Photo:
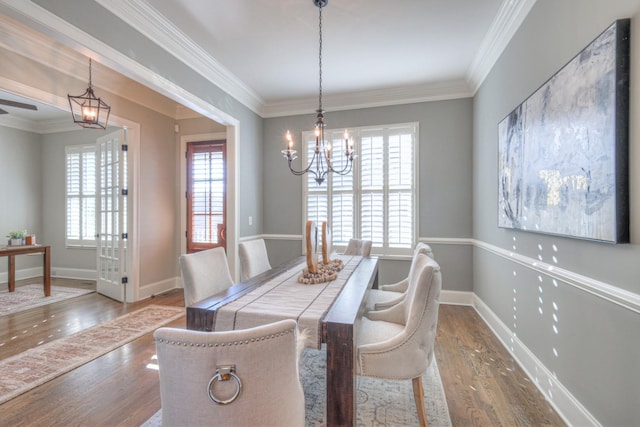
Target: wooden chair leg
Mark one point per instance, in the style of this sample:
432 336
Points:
418 396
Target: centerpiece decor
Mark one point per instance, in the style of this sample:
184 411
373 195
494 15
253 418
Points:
328 269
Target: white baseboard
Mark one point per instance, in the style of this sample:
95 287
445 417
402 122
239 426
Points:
73 273
456 297
160 287
567 406
25 273
66 273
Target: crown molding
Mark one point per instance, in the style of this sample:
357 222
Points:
142 16
148 21
372 98
507 21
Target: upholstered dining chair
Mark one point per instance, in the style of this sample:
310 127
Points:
358 247
247 377
397 343
204 274
387 295
253 258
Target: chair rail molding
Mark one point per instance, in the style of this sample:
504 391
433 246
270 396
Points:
614 294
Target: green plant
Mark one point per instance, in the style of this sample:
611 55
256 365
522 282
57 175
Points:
17 234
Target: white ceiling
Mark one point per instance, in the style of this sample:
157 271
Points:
272 46
44 112
374 52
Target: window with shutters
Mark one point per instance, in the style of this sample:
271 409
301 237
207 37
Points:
377 201
206 224
80 229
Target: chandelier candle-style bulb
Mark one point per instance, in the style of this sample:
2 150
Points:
346 142
288 153
89 114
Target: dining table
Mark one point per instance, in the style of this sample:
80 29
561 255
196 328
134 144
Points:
329 309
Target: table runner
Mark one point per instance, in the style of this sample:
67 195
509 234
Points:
283 297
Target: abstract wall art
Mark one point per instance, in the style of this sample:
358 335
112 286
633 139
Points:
563 152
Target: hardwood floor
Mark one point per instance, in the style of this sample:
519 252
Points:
483 384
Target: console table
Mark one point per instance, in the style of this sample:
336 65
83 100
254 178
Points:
12 251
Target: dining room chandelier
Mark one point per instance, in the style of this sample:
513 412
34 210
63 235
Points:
88 110
320 164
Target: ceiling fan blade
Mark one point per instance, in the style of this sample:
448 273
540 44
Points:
17 104
3 111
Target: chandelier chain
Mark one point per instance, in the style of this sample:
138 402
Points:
321 163
89 72
320 60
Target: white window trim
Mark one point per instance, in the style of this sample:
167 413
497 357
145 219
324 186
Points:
77 243
385 251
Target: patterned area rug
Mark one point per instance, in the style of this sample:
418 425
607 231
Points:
24 371
380 403
30 296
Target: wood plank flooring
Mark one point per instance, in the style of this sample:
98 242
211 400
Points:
483 384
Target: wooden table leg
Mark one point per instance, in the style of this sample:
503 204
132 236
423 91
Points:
341 378
12 273
47 271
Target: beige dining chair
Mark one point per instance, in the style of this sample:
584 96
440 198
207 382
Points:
253 258
358 247
247 377
204 274
387 295
397 343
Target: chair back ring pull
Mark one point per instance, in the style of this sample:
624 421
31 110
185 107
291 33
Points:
224 373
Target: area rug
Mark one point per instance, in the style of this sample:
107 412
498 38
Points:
24 371
379 402
30 296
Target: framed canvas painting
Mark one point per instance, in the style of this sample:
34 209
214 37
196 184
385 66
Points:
563 152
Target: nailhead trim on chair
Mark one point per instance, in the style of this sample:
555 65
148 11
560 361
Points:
223 344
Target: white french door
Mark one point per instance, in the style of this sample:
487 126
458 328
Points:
111 218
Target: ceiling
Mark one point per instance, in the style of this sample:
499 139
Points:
44 112
374 52
272 46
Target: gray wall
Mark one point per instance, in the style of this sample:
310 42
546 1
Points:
595 351
20 190
445 133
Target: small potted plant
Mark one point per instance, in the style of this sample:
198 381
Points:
16 238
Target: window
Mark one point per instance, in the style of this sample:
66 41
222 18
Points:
206 201
377 200
81 195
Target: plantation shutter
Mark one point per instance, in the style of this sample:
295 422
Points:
372 184
80 224
377 200
401 164
317 207
342 201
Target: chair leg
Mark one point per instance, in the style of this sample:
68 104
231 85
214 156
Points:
418 396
